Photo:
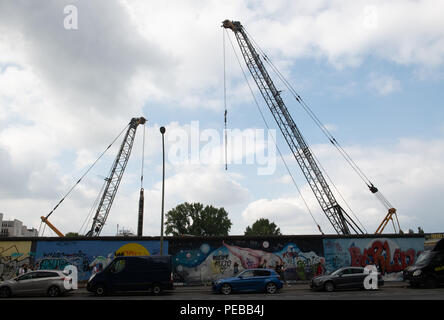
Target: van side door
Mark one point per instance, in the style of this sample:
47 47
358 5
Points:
115 275
138 274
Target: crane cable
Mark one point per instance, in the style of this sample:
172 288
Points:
317 121
324 129
78 181
91 211
273 138
225 103
88 218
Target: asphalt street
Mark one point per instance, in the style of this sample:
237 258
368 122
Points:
300 291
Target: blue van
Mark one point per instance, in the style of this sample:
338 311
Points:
138 273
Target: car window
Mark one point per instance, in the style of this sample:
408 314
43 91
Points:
118 266
357 270
45 274
346 271
262 273
26 276
424 258
247 274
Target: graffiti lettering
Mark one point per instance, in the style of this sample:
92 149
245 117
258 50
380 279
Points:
222 262
379 254
53 264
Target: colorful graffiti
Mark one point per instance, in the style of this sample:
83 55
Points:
202 260
210 262
88 256
391 256
13 255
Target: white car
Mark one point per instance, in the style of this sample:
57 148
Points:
41 282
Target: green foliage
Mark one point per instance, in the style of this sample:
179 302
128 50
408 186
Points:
197 220
72 235
262 227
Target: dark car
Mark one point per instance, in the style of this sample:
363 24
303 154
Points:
41 282
343 278
266 280
428 270
140 273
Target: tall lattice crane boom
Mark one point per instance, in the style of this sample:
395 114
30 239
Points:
114 178
340 220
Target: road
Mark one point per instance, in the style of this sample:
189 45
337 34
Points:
390 291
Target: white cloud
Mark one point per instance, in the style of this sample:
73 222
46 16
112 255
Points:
65 94
383 84
408 175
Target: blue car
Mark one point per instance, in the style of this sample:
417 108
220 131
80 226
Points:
266 280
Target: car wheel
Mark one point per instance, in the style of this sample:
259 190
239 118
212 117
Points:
225 289
54 291
271 287
5 292
100 290
156 289
329 286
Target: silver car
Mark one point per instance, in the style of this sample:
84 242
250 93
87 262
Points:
46 282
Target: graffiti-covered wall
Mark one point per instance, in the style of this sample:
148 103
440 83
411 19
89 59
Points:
198 260
390 255
13 255
87 254
204 259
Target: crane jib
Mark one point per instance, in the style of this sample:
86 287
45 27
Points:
340 220
115 176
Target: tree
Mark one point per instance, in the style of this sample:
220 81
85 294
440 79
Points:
197 220
262 227
72 235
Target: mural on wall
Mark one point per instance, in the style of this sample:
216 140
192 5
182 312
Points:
207 262
13 255
200 260
390 255
89 256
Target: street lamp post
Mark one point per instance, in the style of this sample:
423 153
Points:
162 131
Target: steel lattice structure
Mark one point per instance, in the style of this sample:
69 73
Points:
340 220
114 178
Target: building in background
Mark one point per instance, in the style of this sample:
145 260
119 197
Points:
15 228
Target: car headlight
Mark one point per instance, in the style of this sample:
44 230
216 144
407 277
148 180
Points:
417 273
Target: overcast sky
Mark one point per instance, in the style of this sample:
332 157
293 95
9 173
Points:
70 81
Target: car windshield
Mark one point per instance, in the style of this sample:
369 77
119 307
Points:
424 258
